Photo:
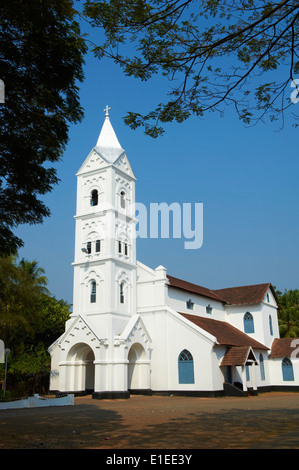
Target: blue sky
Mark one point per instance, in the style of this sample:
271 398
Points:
246 178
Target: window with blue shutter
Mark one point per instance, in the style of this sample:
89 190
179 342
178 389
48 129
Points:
270 325
287 370
209 309
247 373
262 367
186 368
248 323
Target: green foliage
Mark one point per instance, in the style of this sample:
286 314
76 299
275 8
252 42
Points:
213 53
30 320
53 315
288 315
33 360
41 63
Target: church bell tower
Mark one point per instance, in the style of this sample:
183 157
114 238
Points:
104 336
105 242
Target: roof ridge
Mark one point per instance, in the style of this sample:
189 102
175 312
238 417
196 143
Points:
248 294
239 295
246 285
191 284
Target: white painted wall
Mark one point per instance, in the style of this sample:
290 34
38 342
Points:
276 377
171 334
37 402
260 313
177 299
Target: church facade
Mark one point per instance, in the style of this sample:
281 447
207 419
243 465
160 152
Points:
139 330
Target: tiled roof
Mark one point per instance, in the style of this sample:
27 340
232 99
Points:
284 347
244 294
188 286
237 356
225 333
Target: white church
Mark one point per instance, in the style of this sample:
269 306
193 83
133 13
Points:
139 330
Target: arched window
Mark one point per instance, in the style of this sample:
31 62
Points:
122 200
248 323
93 291
262 367
287 370
122 293
270 325
94 198
186 368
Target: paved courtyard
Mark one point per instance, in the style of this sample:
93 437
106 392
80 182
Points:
269 421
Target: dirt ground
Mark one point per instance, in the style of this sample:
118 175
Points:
269 421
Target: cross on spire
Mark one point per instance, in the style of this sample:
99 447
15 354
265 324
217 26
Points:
106 110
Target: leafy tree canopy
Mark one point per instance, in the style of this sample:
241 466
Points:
31 319
213 52
22 287
28 312
288 314
41 63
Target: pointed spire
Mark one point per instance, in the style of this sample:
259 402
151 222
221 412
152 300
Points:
108 145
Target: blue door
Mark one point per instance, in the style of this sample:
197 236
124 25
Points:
229 376
186 369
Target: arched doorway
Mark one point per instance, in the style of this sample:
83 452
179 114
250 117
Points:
80 369
138 368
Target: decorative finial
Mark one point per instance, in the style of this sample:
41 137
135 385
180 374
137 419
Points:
106 110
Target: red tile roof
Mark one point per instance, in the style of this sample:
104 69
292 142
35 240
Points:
237 356
225 333
254 294
243 295
194 288
285 347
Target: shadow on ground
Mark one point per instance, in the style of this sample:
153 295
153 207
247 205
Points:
155 423
56 427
